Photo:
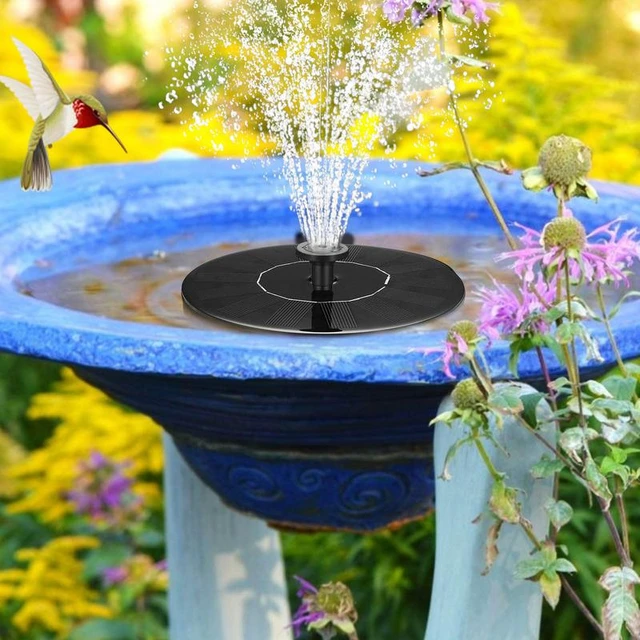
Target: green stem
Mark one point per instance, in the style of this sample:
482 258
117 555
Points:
607 324
473 164
572 358
487 460
624 522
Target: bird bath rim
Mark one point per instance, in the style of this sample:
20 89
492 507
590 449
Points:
162 194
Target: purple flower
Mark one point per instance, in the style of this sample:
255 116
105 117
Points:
103 492
505 312
114 575
396 10
600 256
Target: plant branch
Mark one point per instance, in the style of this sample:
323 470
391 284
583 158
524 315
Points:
607 324
581 605
615 534
624 522
473 164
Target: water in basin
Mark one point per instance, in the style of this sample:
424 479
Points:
146 288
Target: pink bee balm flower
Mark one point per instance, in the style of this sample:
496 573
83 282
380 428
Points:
505 312
600 256
396 10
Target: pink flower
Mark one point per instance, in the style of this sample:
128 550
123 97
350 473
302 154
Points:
396 10
505 312
600 256
114 575
104 493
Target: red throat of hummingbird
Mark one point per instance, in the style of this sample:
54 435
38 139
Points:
87 117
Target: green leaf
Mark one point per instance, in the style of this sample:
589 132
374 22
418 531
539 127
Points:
597 482
451 454
621 608
567 331
546 467
560 512
503 502
468 60
150 538
560 383
530 402
620 388
551 586
533 179
530 568
447 417
609 466
104 630
562 565
575 440
506 399
108 555
596 388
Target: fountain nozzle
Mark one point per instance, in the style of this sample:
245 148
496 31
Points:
322 263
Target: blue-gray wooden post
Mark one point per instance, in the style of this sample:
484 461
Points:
466 604
227 578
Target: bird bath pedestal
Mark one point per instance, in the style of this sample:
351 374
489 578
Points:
305 432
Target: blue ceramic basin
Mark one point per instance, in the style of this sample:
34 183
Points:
308 432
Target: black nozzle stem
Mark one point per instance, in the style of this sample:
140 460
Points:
322 265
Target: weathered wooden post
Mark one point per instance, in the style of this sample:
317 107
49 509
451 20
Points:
466 604
227 579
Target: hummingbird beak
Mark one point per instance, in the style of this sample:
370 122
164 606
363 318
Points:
113 133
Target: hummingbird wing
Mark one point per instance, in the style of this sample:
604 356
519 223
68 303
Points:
36 172
25 95
47 91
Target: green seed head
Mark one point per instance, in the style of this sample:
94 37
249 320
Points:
335 599
564 233
564 160
466 329
467 394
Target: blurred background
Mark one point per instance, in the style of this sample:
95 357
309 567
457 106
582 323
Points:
81 533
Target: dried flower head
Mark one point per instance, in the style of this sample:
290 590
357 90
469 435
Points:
327 610
564 160
566 233
563 165
467 394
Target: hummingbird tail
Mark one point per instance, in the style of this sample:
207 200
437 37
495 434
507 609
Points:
36 173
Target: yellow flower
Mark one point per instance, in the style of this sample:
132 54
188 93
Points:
89 421
50 589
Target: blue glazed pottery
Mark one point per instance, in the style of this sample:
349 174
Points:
307 432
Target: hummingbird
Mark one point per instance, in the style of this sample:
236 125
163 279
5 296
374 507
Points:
55 115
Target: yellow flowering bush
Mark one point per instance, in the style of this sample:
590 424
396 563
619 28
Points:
89 421
50 591
540 94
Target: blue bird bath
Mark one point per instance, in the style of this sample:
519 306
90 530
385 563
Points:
307 432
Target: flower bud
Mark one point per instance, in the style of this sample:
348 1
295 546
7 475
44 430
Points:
564 160
467 394
564 233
